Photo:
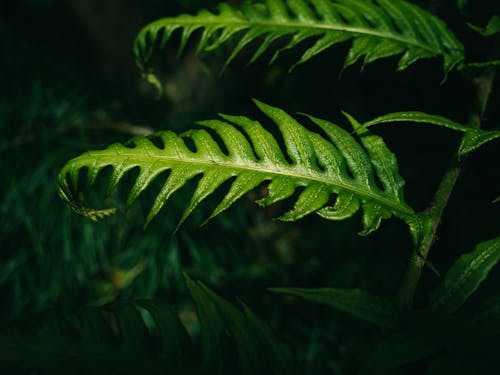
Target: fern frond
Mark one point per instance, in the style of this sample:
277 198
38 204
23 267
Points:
465 276
322 166
472 140
146 338
379 29
356 302
492 28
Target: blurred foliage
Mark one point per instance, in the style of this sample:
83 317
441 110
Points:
56 101
148 338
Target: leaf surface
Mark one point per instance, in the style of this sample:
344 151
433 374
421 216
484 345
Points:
251 342
355 302
465 276
476 138
312 168
378 29
147 338
407 346
492 28
472 140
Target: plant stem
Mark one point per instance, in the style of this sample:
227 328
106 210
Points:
441 196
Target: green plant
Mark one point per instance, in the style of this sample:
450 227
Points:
147 338
316 167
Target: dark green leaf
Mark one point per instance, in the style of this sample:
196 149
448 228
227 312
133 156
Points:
484 64
238 336
145 338
356 302
461 4
413 343
491 28
476 138
465 276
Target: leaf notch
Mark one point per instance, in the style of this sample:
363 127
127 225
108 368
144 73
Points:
378 29
334 164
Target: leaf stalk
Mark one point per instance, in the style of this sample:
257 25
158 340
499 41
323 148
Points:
441 197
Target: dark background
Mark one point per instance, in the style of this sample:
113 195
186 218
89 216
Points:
68 83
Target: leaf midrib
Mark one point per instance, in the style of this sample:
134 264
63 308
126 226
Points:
292 171
230 22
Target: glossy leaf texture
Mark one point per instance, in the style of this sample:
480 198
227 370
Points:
472 140
418 117
377 29
146 338
356 302
465 276
312 168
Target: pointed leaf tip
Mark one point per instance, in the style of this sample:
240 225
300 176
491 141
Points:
355 302
465 276
316 163
398 30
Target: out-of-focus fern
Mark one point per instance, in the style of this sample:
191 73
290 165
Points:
336 164
492 28
48 255
422 334
379 29
147 338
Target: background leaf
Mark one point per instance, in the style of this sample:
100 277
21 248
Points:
356 302
465 276
406 346
112 338
461 4
146 337
490 29
234 338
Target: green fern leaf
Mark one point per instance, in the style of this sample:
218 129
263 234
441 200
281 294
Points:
355 302
226 329
465 276
418 117
483 64
322 167
492 28
415 341
461 4
378 29
109 339
472 140
146 338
